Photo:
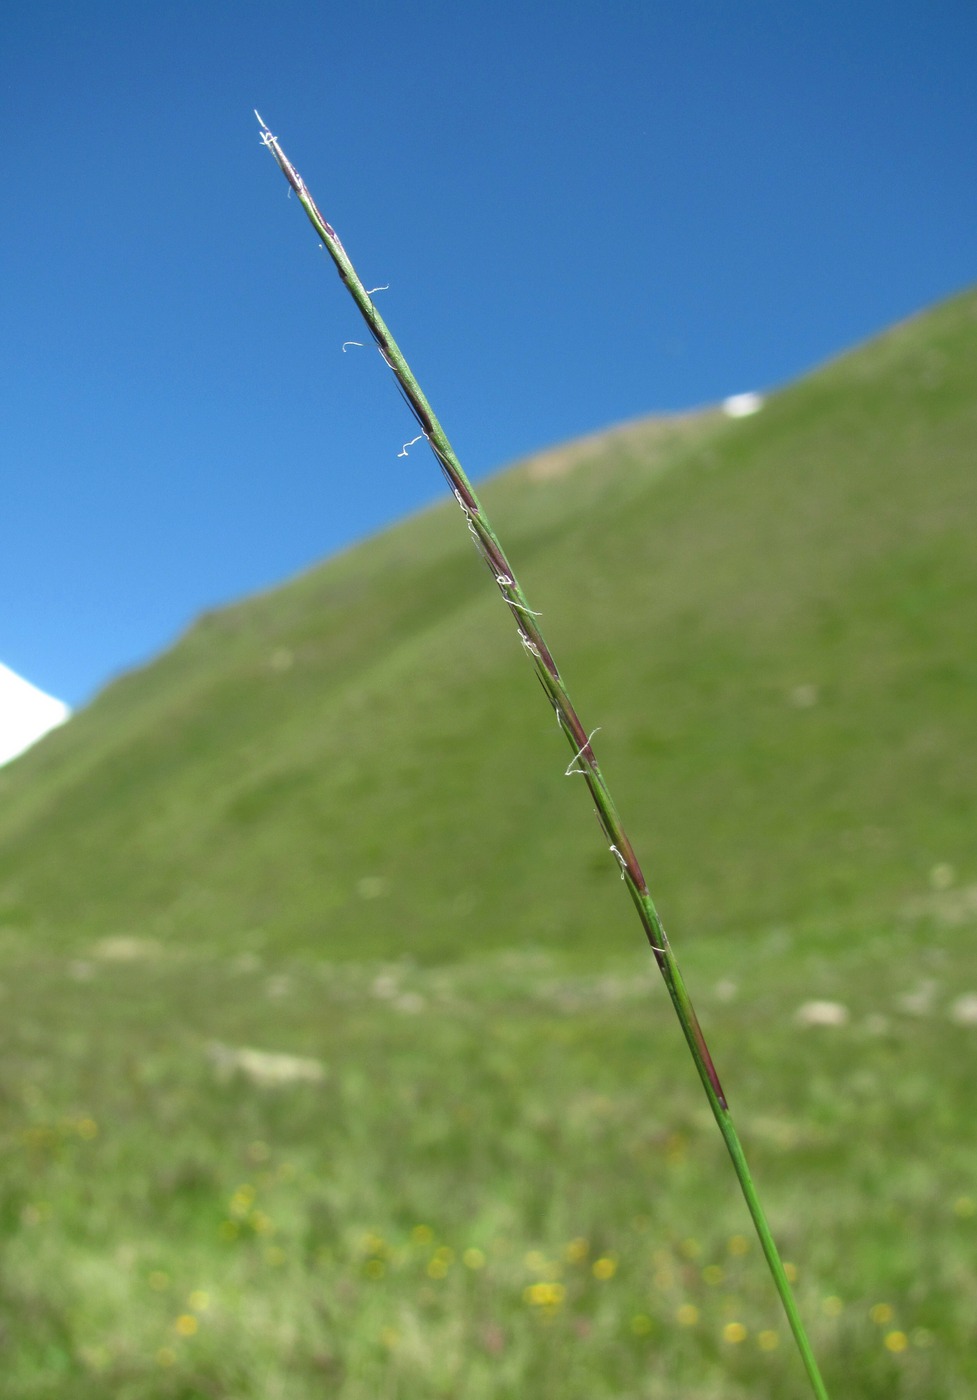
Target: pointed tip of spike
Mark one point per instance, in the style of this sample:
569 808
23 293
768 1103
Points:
266 137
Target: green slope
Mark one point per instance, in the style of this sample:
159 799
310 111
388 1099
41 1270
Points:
771 620
486 1177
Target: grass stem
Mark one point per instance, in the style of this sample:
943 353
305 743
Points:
584 759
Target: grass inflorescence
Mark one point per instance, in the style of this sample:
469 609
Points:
584 761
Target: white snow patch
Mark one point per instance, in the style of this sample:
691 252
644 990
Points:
26 714
742 405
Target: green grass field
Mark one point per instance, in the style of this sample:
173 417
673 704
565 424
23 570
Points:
333 1063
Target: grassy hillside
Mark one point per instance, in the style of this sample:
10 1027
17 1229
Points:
768 618
331 1060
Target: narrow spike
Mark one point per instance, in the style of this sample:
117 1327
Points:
577 735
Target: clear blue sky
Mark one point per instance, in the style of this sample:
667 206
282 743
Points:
585 212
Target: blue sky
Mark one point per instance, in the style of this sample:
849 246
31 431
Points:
584 211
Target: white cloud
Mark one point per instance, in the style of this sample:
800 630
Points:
26 714
742 405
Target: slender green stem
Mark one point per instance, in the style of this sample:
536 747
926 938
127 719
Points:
584 760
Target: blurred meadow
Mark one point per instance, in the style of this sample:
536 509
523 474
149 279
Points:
489 1178
332 1063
